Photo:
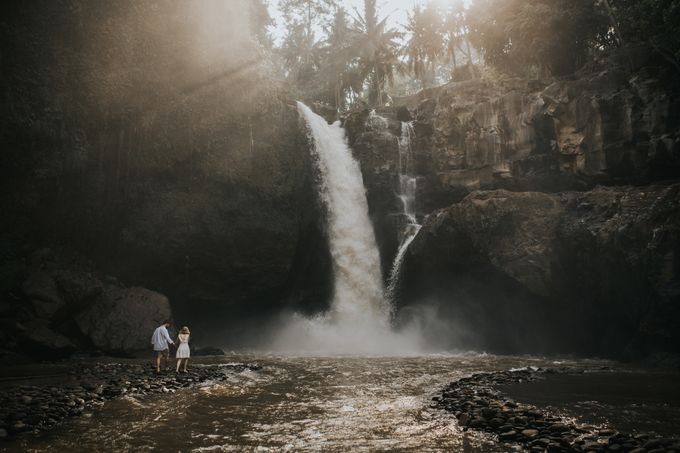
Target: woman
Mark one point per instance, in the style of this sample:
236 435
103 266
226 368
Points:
183 349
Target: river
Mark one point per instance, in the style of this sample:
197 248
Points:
294 404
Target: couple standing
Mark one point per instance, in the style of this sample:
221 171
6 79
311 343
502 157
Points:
161 342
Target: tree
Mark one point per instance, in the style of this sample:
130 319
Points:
552 35
457 34
376 49
308 14
260 21
301 52
425 44
337 67
655 22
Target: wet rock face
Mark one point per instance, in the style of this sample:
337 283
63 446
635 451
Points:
594 272
373 139
526 263
598 128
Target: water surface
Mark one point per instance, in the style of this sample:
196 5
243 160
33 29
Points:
293 404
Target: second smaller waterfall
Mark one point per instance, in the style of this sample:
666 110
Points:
407 195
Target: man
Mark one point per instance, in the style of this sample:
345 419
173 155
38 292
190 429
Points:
161 342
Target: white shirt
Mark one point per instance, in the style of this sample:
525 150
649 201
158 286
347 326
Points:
161 339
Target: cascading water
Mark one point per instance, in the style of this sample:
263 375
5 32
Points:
407 195
359 318
356 261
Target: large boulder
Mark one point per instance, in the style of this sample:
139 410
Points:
595 272
121 321
79 288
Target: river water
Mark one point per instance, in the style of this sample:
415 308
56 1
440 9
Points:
294 404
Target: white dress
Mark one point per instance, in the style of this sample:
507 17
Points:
183 349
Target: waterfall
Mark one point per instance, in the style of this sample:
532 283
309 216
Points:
407 195
359 318
358 278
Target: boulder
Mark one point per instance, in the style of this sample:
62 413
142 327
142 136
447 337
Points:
42 292
121 321
39 340
79 288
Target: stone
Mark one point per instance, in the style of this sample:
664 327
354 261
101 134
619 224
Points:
403 114
206 351
40 340
121 321
507 435
464 419
530 432
477 423
79 288
42 292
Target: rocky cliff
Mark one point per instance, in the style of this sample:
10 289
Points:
608 124
189 175
523 245
594 272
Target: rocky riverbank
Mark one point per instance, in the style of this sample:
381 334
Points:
35 408
479 405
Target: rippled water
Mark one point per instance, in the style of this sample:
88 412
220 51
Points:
294 404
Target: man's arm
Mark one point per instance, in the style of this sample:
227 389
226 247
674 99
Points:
167 336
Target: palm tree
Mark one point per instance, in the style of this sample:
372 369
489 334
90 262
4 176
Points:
300 50
425 44
457 33
376 51
300 54
338 57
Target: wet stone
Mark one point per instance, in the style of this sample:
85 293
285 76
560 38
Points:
478 405
32 408
508 434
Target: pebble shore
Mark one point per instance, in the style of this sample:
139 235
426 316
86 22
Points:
479 405
29 408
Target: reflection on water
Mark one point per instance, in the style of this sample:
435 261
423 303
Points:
631 401
293 403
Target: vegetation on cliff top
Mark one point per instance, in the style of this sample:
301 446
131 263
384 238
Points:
340 57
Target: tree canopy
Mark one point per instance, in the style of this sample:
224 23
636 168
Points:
339 56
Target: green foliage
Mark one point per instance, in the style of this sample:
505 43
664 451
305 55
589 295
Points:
656 22
308 13
554 35
300 54
260 21
356 52
425 45
376 49
337 74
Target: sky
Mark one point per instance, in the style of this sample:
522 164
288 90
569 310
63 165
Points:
395 8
